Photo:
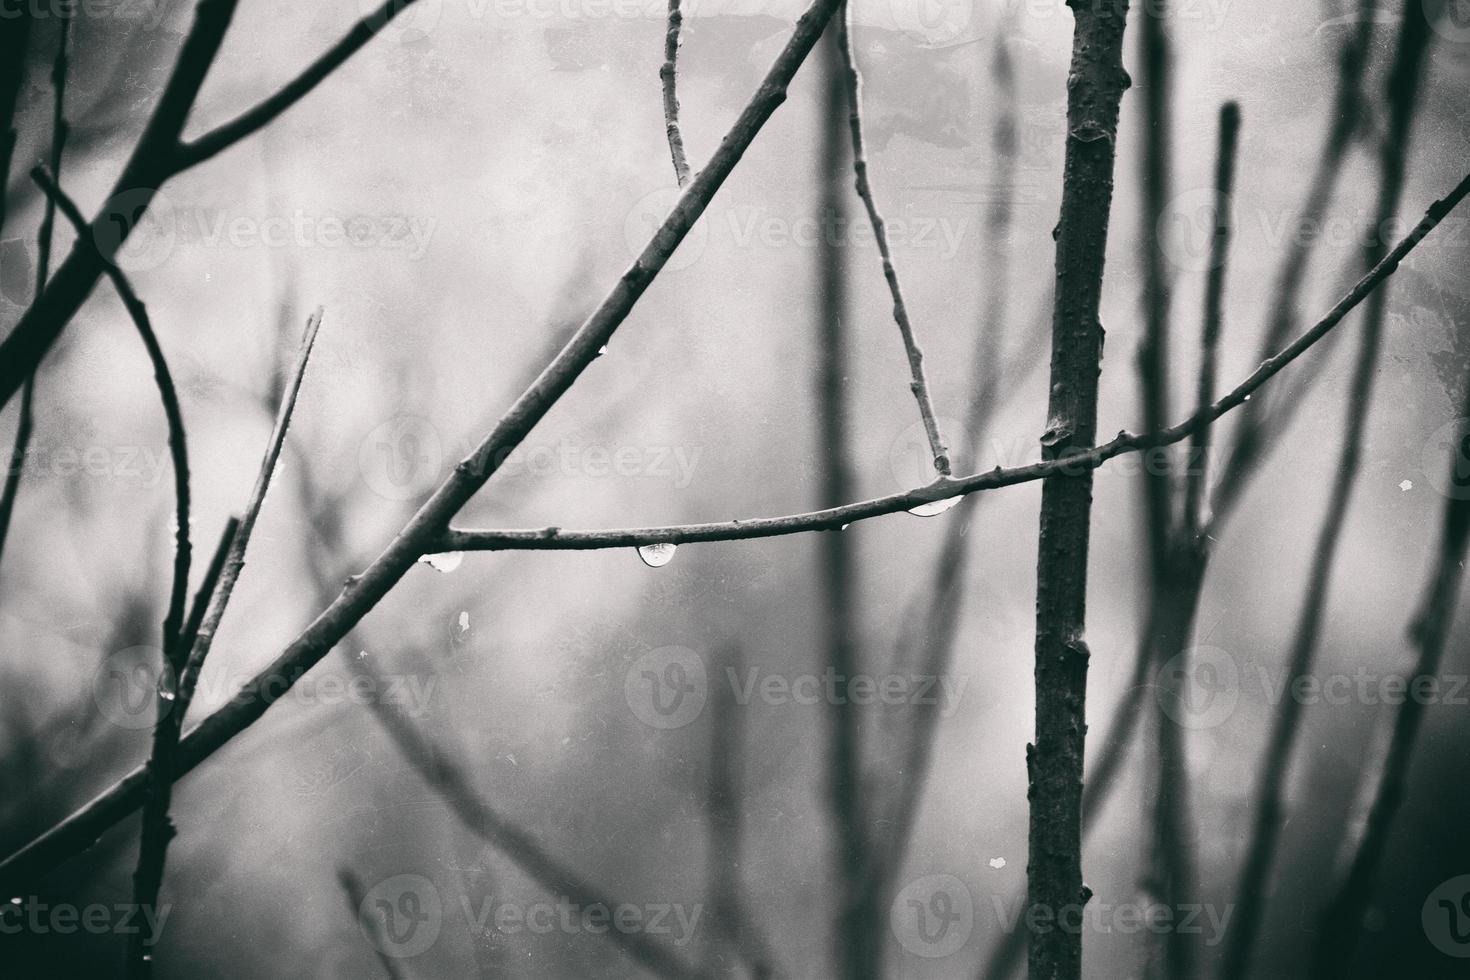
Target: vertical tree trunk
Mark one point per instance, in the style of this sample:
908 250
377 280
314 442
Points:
1054 762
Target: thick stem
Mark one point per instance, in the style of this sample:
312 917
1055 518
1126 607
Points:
1054 761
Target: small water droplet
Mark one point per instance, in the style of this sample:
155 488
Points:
602 350
935 507
464 621
844 527
1247 397
657 555
445 562
997 863
362 655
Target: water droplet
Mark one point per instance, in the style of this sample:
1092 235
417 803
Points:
1406 486
464 621
997 863
935 507
844 527
362 655
657 555
1247 398
445 562
602 350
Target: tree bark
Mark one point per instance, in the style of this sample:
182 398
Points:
1054 762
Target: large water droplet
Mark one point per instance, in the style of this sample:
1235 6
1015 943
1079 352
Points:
657 555
446 561
935 507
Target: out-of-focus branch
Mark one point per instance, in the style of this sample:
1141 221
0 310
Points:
1262 422
446 777
356 895
1095 85
853 949
161 154
418 537
918 384
25 421
1428 632
668 75
1404 79
1197 470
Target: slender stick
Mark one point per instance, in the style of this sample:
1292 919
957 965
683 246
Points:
426 528
159 156
667 74
157 830
1415 38
220 601
25 422
918 384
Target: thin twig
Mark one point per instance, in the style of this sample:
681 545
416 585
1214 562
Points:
918 384
236 560
424 530
668 75
159 156
1404 80
157 830
833 518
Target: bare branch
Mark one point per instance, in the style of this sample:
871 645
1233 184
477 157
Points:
667 74
425 529
919 385
1414 41
194 152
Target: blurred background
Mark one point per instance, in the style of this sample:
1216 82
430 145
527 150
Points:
458 196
